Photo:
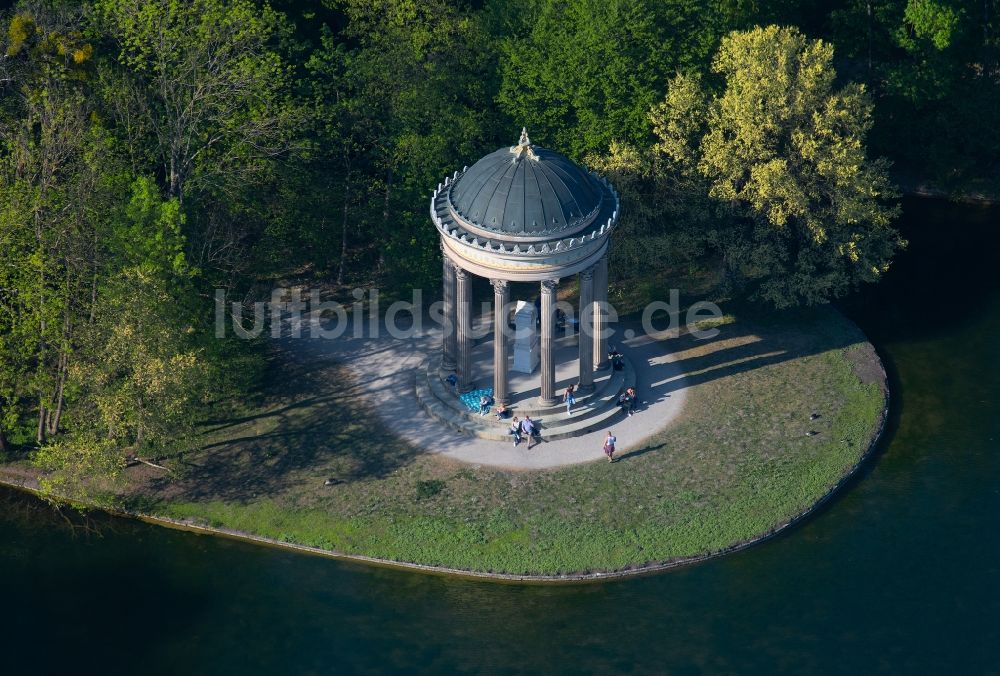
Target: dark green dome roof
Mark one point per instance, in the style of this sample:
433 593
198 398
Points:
526 191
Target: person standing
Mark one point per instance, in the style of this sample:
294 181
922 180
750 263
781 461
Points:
570 398
609 446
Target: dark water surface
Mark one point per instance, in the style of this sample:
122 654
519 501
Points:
900 574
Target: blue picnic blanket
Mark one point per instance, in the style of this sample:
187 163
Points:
471 399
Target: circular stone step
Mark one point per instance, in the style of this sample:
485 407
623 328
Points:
608 382
592 412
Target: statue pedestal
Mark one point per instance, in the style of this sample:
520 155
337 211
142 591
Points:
526 351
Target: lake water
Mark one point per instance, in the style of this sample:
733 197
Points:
899 574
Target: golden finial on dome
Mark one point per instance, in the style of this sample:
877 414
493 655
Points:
523 147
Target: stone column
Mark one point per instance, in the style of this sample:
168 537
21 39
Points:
501 297
548 375
587 331
601 314
463 286
449 348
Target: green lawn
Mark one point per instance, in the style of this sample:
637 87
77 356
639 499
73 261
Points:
737 463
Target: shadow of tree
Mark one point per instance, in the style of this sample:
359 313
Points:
756 339
315 424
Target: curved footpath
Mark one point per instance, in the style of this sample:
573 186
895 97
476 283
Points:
386 368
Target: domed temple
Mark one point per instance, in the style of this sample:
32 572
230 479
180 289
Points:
524 214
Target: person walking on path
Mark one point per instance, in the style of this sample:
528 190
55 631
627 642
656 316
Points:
515 430
609 446
570 399
528 429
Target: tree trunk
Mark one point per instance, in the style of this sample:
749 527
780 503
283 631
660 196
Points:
385 216
62 369
93 301
986 25
4 446
56 416
174 181
870 20
343 229
43 329
42 415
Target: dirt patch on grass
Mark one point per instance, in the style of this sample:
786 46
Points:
866 364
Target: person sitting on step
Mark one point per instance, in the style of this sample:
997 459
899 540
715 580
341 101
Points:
616 358
515 430
529 430
625 402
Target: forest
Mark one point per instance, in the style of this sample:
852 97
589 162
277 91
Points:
153 151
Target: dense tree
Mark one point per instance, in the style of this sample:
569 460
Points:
202 94
667 215
93 277
49 150
397 112
207 85
142 367
783 147
932 65
586 73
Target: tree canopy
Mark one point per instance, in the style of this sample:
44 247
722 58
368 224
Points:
768 170
585 73
785 148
